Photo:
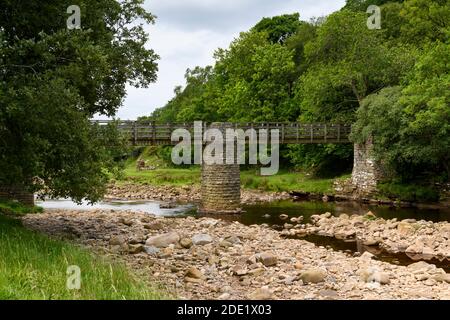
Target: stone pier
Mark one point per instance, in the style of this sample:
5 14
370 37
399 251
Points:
221 184
367 173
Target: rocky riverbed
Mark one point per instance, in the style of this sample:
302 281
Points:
191 194
214 259
423 238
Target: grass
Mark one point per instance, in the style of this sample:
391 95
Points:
250 179
286 181
17 208
33 266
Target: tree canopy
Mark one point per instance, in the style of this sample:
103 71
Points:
53 80
392 82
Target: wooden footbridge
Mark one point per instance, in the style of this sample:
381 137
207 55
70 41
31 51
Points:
152 133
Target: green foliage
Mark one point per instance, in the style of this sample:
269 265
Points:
279 28
17 208
362 5
411 125
53 80
348 62
32 266
409 192
284 69
425 21
327 160
286 181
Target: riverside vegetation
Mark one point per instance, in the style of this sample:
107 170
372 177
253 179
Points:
33 266
392 84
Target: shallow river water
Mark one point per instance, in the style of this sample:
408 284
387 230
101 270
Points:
269 213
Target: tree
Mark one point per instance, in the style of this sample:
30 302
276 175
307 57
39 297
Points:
53 80
347 62
411 125
279 28
425 21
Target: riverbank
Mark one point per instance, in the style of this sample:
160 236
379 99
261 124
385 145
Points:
420 239
32 266
187 194
191 193
215 259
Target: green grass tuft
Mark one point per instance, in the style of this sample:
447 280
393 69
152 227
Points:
17 208
33 266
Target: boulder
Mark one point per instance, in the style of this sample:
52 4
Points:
313 275
201 239
117 240
136 248
267 258
445 277
163 240
405 228
373 274
151 250
186 243
261 294
194 273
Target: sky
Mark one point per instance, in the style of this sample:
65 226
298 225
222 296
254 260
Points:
187 32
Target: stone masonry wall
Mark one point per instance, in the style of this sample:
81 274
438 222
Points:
366 172
16 193
221 185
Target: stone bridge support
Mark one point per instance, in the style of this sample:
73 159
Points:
221 188
221 184
16 194
367 173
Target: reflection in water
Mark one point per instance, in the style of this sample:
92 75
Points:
353 247
254 214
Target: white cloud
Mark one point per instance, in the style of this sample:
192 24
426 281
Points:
187 32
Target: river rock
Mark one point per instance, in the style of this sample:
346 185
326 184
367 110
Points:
313 275
151 250
163 240
201 239
194 273
283 216
117 240
405 228
261 294
420 266
372 274
442 277
224 296
186 243
126 221
267 258
135 248
233 239
153 226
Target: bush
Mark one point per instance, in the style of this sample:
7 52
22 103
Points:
410 192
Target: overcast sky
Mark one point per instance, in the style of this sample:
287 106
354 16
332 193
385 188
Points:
187 32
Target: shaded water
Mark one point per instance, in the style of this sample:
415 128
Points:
268 213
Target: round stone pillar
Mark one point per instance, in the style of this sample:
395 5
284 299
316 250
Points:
221 183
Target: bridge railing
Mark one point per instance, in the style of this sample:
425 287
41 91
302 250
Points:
152 133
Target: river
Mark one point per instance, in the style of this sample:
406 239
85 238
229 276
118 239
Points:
269 213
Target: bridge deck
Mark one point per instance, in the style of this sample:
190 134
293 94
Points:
151 133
